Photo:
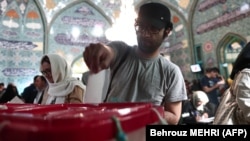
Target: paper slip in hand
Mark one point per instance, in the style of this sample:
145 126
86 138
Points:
94 89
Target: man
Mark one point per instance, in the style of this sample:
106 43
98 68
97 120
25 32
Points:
140 73
211 84
41 85
30 92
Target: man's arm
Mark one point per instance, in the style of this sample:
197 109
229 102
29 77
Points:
172 112
98 57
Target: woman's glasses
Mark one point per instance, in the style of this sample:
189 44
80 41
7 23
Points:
46 72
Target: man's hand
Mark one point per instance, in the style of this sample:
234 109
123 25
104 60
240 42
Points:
98 57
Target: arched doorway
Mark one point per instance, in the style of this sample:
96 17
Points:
227 51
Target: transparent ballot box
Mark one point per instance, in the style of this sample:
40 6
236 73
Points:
77 122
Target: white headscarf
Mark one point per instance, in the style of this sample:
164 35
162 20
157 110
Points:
199 96
64 83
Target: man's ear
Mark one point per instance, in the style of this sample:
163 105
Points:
166 32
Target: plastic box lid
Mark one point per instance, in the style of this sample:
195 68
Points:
74 122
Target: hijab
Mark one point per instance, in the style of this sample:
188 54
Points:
242 61
64 83
199 96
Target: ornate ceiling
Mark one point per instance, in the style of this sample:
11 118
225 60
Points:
112 8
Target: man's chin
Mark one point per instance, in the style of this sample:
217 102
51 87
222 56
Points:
145 50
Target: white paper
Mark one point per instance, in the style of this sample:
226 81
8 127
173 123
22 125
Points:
16 100
95 87
207 120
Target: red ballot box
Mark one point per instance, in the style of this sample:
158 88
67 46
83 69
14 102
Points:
77 122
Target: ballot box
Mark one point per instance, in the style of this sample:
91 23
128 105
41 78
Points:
77 122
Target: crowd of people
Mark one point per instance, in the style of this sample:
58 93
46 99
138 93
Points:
137 74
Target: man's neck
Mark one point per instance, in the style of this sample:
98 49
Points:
147 55
208 75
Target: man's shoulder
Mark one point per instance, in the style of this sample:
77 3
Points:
29 88
117 44
204 78
167 64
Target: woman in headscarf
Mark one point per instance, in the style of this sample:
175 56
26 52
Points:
201 103
197 108
63 88
234 108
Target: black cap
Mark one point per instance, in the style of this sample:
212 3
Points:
155 13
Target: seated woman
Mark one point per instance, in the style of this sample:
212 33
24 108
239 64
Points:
62 87
197 108
10 92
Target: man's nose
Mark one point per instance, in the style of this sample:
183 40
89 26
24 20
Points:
145 32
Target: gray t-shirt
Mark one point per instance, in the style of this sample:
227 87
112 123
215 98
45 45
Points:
154 80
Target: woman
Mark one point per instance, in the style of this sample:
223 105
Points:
10 92
241 85
63 88
234 107
197 108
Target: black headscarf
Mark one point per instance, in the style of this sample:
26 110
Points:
242 61
10 93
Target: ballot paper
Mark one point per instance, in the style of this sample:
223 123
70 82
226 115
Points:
206 120
96 87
